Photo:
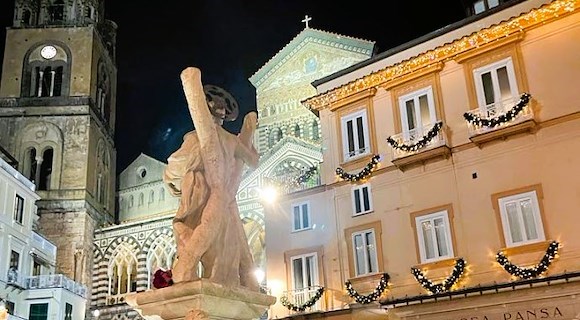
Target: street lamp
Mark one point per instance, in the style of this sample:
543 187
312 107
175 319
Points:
96 314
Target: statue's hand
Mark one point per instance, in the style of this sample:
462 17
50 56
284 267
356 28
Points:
248 128
190 73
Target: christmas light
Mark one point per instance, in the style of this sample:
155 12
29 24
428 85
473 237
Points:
362 299
284 301
446 284
363 174
432 133
532 272
501 119
522 23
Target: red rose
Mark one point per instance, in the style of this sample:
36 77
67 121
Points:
162 279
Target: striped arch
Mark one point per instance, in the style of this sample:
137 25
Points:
256 216
255 233
129 240
160 252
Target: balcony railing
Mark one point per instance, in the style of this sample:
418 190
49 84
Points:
299 297
46 282
496 116
42 244
417 140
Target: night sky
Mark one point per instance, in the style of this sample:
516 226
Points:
229 40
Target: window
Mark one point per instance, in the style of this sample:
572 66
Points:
68 309
38 311
480 6
56 11
161 254
355 139
434 236
365 252
14 260
496 87
297 131
36 268
361 199
315 133
10 307
45 169
418 115
521 219
18 208
141 199
48 81
301 216
304 271
122 271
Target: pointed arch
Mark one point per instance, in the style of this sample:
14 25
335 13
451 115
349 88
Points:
122 270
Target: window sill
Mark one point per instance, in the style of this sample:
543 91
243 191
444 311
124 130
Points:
374 278
443 263
356 162
539 246
362 213
300 230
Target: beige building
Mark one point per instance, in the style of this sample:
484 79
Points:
449 173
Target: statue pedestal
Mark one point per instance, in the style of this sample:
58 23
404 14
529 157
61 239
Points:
200 300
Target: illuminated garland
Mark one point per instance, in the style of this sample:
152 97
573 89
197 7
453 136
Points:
284 301
501 119
370 297
447 284
432 133
306 175
527 273
365 172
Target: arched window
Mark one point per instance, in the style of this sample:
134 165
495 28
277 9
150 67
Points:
315 133
103 92
122 271
161 194
30 164
160 255
131 201
151 196
297 131
26 16
46 72
275 136
45 169
141 199
102 174
56 11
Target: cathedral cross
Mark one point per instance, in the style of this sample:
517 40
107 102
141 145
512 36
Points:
306 19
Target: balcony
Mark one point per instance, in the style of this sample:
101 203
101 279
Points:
41 244
52 281
500 120
307 295
419 145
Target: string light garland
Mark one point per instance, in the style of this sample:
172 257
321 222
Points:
432 133
373 296
446 284
284 301
501 119
363 174
532 272
306 175
554 10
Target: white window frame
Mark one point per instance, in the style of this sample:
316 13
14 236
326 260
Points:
300 207
533 197
444 214
371 248
357 151
408 135
493 67
359 189
19 208
314 271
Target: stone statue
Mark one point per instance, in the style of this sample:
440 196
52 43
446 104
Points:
206 172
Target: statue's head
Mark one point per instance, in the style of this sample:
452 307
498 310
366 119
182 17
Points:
221 103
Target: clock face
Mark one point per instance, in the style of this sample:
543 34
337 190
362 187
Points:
48 52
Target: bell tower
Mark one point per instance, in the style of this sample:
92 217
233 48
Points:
57 117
